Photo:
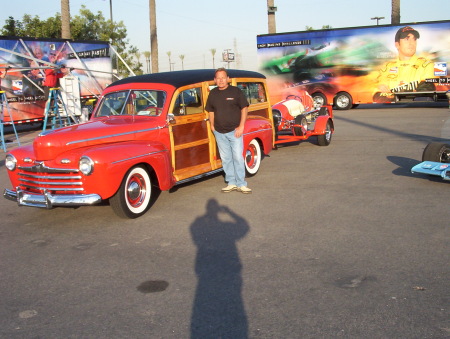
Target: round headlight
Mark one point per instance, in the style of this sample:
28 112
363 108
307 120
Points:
86 165
10 162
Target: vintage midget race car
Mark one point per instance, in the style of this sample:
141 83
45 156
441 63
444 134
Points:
435 160
298 117
146 133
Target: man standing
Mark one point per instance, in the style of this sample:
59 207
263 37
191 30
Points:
52 75
228 108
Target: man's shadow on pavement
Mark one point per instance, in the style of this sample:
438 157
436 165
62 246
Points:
218 310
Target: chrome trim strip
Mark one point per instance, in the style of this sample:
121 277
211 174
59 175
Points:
47 200
258 131
41 168
137 156
51 177
115 135
53 188
76 183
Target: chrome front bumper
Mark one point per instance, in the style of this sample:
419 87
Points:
46 200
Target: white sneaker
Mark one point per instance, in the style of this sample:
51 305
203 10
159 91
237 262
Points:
244 189
229 188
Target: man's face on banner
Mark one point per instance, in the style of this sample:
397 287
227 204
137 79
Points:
406 47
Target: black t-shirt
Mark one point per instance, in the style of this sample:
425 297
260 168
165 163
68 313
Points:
226 105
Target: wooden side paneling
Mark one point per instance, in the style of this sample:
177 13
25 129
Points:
187 133
192 156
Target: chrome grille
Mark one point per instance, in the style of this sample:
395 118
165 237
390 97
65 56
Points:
39 178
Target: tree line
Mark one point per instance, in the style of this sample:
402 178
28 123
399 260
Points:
83 26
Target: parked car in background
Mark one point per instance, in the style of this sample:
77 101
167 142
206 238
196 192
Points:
298 117
148 133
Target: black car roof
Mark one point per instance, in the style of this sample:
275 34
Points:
187 77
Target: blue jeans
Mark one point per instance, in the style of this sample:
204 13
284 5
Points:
231 152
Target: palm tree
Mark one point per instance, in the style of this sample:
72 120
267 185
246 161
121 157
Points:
153 36
65 19
272 27
182 61
213 52
395 14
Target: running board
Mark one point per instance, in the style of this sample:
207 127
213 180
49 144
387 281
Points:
198 176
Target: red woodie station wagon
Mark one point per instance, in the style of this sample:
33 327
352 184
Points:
147 132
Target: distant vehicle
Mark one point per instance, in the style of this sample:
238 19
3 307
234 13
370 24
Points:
148 133
298 117
435 161
345 67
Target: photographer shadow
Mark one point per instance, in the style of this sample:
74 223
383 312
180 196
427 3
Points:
218 309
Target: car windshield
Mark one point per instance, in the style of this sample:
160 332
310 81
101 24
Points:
134 102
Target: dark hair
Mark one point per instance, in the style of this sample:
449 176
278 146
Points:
220 69
404 31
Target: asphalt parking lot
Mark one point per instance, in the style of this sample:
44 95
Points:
337 241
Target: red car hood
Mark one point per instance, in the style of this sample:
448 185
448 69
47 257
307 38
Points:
49 144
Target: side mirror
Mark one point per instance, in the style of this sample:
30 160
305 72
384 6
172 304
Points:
171 118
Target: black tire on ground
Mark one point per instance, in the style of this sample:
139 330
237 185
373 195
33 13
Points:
253 157
325 139
437 151
300 120
134 195
343 101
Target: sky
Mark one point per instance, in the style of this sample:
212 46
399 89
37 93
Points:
192 28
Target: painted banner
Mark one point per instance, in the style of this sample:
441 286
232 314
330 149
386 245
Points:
370 64
23 62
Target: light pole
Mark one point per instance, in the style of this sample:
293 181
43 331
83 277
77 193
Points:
377 18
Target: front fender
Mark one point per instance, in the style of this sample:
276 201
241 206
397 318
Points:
321 124
261 129
111 163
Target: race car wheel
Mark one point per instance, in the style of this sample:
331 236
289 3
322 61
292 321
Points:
133 197
303 125
343 101
253 157
319 99
325 139
437 151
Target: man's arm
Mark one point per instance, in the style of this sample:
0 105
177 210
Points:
211 120
240 129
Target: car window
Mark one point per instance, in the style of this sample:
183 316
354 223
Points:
138 102
189 102
254 91
148 102
112 104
